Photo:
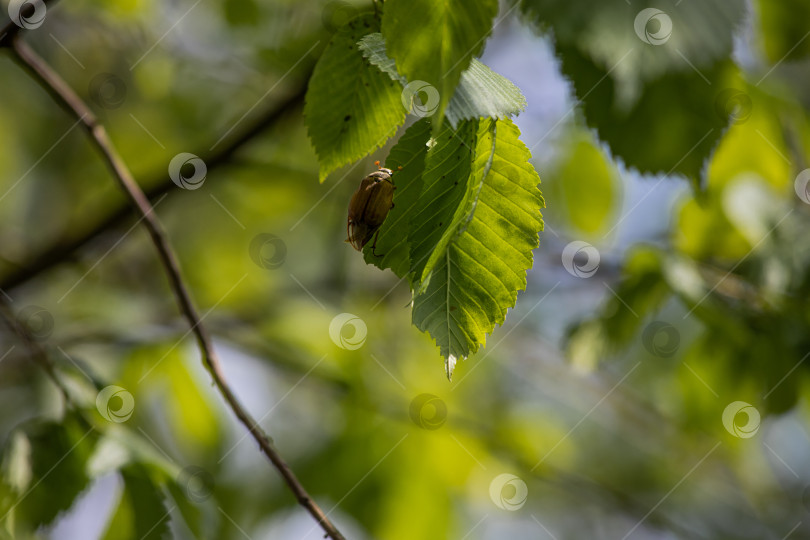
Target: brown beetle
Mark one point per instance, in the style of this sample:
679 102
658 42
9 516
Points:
369 207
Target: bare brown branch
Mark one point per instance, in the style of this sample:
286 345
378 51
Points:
68 99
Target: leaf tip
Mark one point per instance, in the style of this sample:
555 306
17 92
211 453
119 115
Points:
449 366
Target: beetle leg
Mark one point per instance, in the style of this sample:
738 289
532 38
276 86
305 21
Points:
374 245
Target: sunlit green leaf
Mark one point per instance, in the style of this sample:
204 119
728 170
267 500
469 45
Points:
446 186
586 183
434 42
187 408
352 108
480 92
478 261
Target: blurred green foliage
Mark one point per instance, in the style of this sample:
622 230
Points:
605 395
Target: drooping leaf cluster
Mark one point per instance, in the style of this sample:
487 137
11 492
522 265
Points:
466 212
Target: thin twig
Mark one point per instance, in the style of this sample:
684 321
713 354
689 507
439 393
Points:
68 99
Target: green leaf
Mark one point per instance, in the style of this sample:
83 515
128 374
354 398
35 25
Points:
241 12
193 419
351 107
483 93
434 41
44 467
784 29
479 263
198 518
678 108
392 242
643 288
586 184
373 48
446 186
141 512
643 81
120 448
642 40
480 92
